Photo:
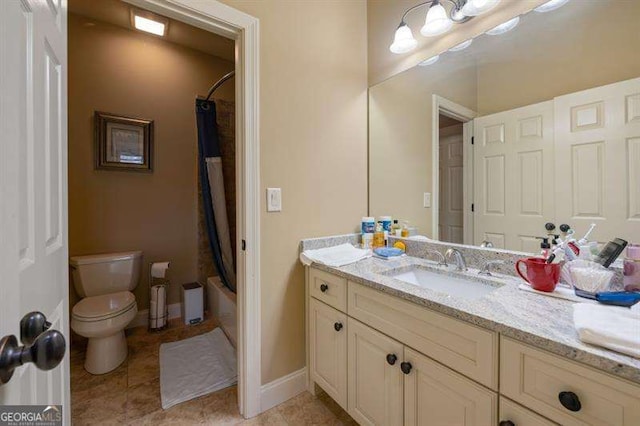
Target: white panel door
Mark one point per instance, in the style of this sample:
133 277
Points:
513 176
598 160
33 186
437 396
375 379
328 347
451 217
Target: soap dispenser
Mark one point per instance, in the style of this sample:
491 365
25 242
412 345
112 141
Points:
545 247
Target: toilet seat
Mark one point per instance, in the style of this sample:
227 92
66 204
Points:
106 306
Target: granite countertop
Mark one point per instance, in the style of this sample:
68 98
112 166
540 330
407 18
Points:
541 321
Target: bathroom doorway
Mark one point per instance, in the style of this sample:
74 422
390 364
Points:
119 207
452 172
451 220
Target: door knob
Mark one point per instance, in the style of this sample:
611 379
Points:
324 288
46 352
337 326
506 423
31 326
406 367
391 359
570 401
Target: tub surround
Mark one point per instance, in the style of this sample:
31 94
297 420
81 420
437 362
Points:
543 322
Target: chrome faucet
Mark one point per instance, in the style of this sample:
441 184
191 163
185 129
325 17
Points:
458 259
441 260
486 268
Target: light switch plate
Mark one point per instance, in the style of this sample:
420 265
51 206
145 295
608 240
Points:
274 199
427 200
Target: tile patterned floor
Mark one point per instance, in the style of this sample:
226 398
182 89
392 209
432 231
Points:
131 394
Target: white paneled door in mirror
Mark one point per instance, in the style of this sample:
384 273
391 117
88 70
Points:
513 176
597 160
33 187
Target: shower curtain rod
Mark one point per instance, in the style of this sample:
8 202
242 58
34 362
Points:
220 83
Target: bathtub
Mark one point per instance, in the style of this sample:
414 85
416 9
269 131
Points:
221 304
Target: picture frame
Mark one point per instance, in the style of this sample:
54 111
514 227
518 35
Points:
123 143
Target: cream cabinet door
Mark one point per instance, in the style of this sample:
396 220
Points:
328 346
437 396
375 379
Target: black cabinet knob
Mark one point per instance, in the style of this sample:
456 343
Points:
337 326
324 287
570 401
391 359
506 423
406 367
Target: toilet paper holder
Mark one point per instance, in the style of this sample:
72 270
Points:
158 287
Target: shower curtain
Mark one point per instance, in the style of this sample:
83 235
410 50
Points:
213 196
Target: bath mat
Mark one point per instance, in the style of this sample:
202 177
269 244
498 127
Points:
195 367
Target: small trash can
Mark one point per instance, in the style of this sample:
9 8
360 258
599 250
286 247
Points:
192 303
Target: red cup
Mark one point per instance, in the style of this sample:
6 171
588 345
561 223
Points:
540 275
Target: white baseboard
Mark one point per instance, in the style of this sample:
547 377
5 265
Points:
142 318
282 389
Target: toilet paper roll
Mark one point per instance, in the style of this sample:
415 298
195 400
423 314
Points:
158 301
159 269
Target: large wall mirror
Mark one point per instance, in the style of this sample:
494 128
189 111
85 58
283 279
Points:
552 108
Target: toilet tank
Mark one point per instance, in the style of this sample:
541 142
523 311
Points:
97 274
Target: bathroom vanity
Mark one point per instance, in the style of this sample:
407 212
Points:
392 350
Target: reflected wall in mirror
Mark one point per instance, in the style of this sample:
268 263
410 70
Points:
553 108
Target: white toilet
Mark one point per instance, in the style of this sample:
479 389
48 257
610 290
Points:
105 281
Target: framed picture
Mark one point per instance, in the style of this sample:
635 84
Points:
123 143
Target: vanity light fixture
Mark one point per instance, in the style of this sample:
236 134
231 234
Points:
430 61
149 22
551 5
478 7
438 20
461 46
403 40
504 27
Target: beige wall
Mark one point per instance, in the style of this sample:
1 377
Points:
313 141
125 72
383 17
400 133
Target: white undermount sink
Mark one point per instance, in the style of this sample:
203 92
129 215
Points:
442 283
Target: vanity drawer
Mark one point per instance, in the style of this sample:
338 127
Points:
328 288
468 349
519 416
535 379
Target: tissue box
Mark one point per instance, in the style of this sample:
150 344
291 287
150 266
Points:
192 303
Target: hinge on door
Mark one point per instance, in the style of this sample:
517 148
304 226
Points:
473 140
473 207
244 245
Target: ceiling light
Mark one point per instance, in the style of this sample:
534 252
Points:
431 60
437 21
551 5
150 23
403 41
461 46
504 27
478 7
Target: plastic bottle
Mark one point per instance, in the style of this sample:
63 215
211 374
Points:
396 230
378 236
405 229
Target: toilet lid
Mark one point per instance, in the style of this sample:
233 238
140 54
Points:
106 305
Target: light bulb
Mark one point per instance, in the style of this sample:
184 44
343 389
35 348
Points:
403 40
437 21
431 60
551 5
478 7
504 27
461 46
